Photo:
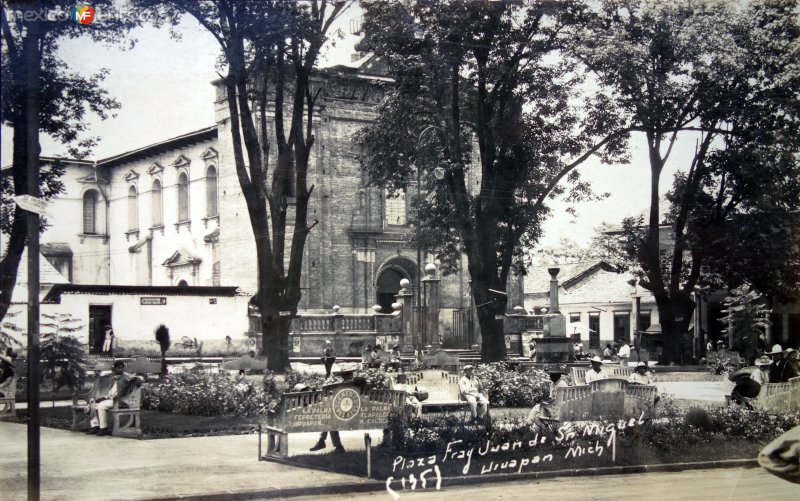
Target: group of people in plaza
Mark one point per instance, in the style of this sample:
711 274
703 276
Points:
641 373
776 366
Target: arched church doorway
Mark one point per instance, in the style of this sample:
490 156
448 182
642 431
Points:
388 283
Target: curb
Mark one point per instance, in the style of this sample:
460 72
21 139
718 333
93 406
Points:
376 486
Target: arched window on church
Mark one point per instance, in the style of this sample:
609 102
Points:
395 207
90 212
158 218
211 192
183 197
133 209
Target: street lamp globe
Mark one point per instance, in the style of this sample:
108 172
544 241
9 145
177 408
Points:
439 172
430 269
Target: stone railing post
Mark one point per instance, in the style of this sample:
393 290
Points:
432 285
403 307
338 330
553 290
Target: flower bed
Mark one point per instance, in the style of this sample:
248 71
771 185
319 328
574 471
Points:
509 388
413 446
199 393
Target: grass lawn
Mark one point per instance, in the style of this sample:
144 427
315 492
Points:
162 424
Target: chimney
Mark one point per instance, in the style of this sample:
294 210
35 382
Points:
553 290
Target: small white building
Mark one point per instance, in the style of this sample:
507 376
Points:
597 296
207 314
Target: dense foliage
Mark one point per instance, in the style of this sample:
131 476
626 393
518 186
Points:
62 358
719 76
197 392
425 435
508 388
748 320
487 113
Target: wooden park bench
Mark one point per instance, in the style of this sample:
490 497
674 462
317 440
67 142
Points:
98 363
776 398
337 407
441 360
125 415
444 395
244 364
578 373
144 366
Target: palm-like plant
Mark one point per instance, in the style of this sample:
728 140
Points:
62 354
747 319
162 338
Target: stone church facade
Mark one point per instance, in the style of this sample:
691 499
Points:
172 214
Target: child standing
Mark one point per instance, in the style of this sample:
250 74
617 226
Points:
108 342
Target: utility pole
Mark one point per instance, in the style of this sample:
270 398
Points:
33 58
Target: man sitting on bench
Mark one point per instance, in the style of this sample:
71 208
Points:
472 391
99 407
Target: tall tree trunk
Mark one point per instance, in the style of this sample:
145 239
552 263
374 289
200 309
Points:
489 306
275 338
675 314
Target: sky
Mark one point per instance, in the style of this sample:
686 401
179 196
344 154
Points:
164 87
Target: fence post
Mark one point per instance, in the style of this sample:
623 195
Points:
338 330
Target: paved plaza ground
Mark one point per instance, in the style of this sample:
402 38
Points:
745 484
81 467
77 466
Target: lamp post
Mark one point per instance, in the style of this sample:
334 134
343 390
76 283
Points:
439 174
636 301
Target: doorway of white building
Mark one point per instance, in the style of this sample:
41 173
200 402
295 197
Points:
99 317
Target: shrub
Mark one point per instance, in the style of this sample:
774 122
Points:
375 378
414 435
61 359
698 418
198 393
752 424
509 388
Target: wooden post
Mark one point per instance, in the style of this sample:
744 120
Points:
368 445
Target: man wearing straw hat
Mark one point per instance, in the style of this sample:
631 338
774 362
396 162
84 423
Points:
328 357
761 375
790 366
745 388
597 372
547 407
472 391
640 375
776 369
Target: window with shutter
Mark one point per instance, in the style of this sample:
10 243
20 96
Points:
156 194
133 209
183 198
211 192
90 212
395 207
